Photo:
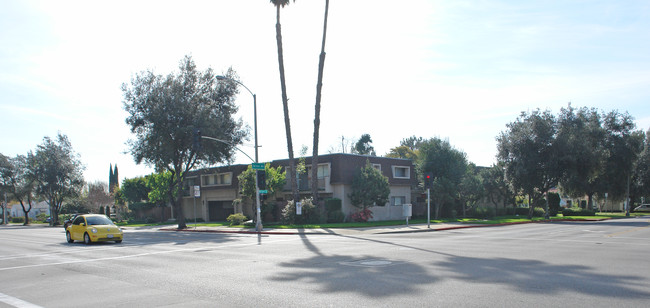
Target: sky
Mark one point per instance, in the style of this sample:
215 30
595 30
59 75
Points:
455 70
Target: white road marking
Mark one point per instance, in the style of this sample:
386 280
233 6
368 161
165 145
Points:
16 302
141 255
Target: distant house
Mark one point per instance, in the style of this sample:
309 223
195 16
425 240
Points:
219 187
37 208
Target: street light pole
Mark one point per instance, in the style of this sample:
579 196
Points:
219 77
258 215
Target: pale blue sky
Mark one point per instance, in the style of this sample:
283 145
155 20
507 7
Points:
459 70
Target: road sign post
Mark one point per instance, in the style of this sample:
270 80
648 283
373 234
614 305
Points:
258 222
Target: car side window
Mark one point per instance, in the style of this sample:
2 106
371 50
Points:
78 220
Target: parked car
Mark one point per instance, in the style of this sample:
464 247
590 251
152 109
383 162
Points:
68 222
91 228
642 208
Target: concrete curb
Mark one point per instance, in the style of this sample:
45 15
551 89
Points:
375 230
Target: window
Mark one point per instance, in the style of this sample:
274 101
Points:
79 220
377 166
323 171
400 172
216 179
397 201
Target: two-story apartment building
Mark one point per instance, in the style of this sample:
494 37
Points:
219 187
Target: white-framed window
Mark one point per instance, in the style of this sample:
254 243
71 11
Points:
377 166
401 172
216 179
323 171
397 200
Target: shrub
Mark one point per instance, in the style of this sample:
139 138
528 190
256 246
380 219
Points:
484 212
41 217
576 211
268 208
521 211
553 203
310 214
335 216
333 204
236 219
539 212
362 215
18 219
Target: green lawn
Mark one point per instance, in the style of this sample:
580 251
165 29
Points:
496 220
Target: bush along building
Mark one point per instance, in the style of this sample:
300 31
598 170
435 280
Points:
220 193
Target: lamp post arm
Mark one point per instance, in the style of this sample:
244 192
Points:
228 143
220 77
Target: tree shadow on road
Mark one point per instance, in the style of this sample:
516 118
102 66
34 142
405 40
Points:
534 276
367 275
375 276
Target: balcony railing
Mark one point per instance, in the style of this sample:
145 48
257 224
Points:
304 183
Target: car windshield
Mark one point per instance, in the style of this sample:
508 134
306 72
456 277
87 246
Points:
98 220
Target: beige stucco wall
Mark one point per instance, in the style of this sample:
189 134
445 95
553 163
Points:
387 212
202 202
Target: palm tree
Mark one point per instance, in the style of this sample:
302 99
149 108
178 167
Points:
319 86
285 101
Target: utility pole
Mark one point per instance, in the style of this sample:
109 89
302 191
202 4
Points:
4 211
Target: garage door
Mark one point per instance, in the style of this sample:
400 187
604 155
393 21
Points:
220 210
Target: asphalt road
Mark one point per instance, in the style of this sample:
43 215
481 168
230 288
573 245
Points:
567 264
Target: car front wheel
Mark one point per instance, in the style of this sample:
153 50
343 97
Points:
68 237
87 239
118 241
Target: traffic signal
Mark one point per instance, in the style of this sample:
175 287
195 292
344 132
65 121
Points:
428 180
196 144
261 179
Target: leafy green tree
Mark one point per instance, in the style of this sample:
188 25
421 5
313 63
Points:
497 189
531 155
78 204
641 176
113 178
448 166
285 100
554 203
624 144
158 185
369 188
14 177
472 189
364 147
275 180
581 138
166 111
412 142
57 172
134 190
404 152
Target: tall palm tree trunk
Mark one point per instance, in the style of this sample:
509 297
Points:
285 104
319 86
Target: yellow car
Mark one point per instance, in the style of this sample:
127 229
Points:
93 228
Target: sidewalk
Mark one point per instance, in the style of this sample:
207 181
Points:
336 231
412 228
